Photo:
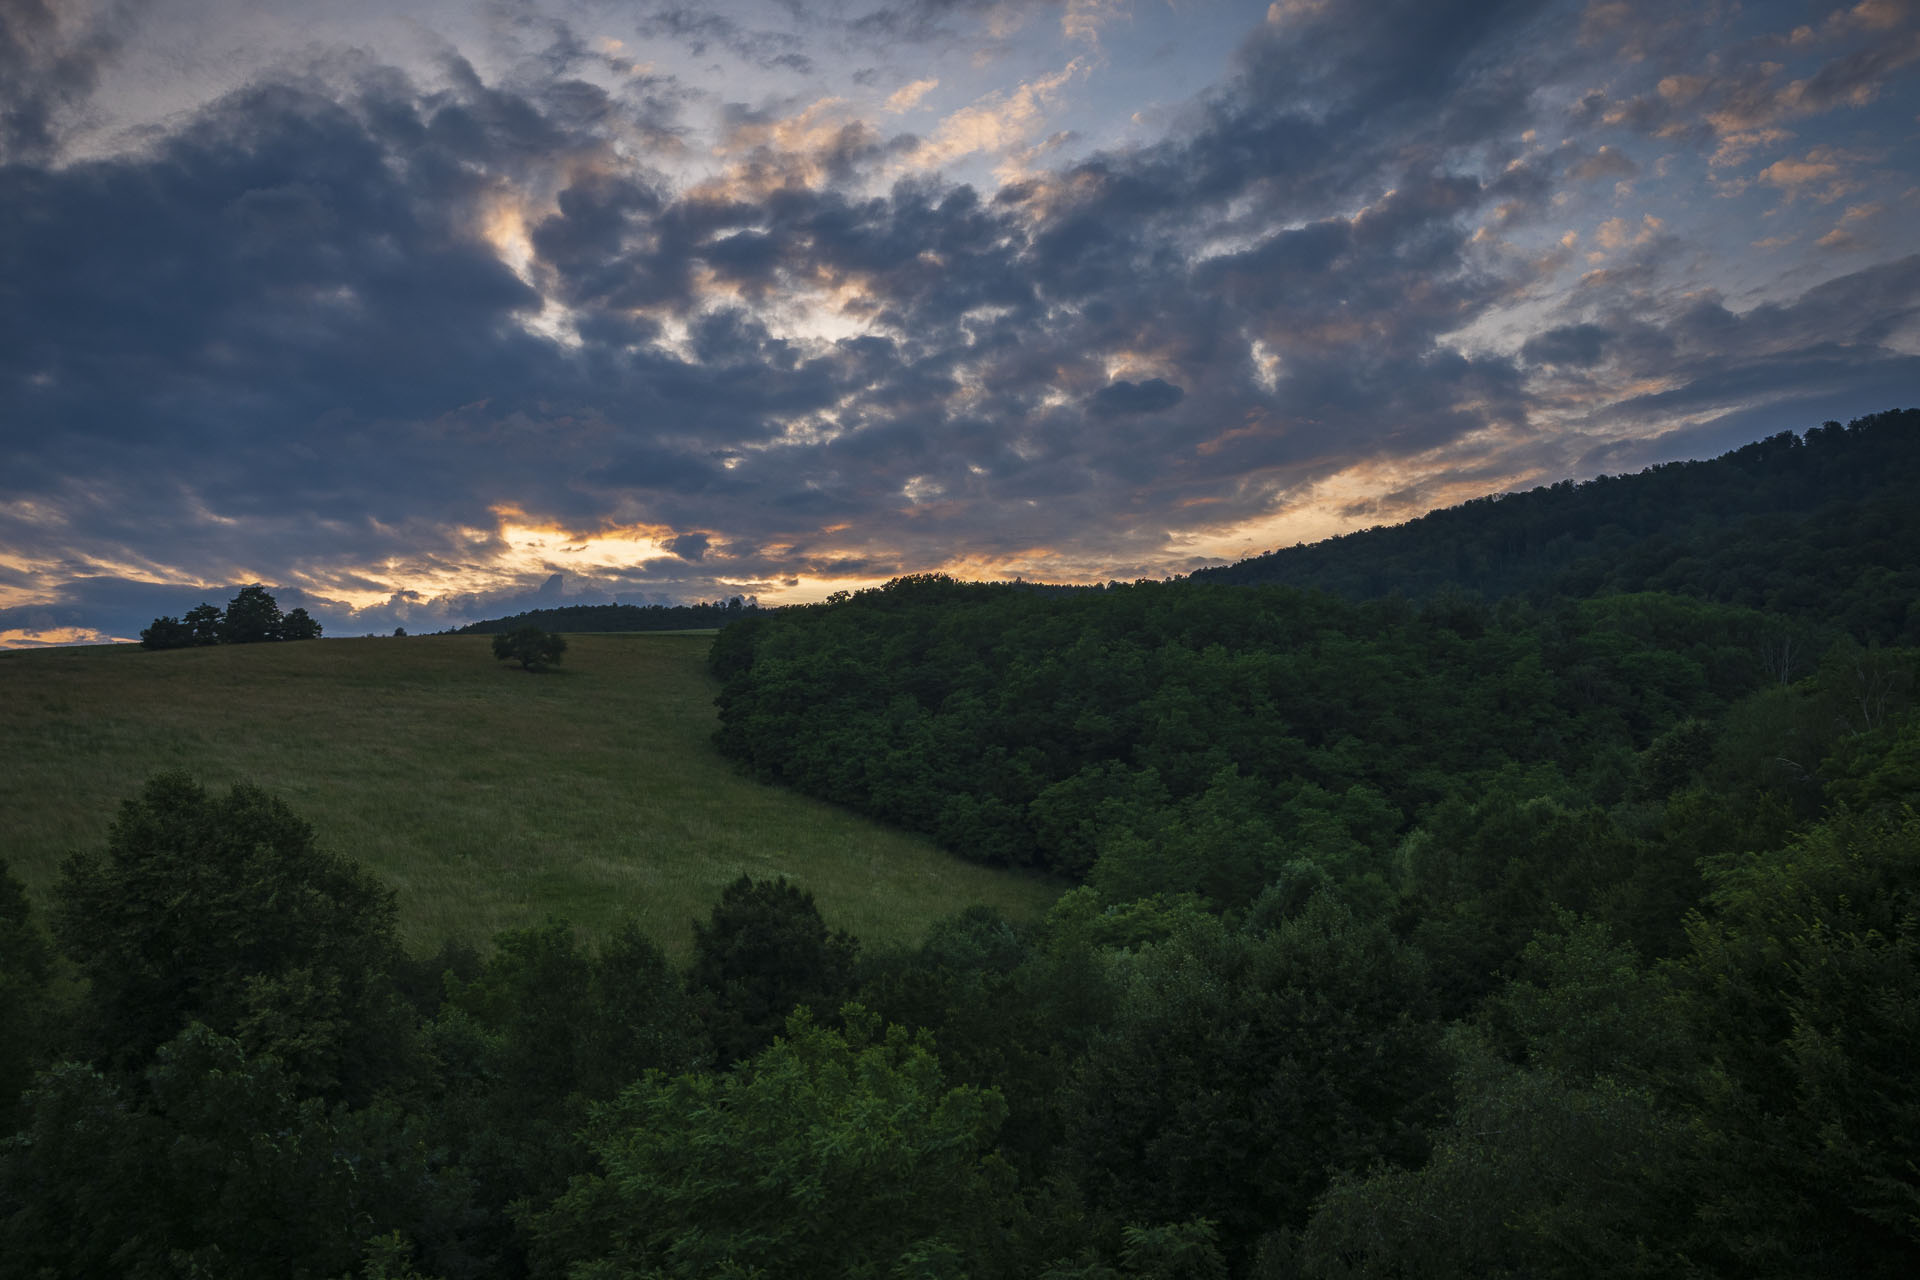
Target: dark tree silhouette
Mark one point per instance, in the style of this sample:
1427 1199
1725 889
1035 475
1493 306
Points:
532 648
298 625
252 617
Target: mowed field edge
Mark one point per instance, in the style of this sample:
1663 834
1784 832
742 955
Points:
487 797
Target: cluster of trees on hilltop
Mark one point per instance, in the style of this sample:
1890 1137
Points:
1821 525
251 617
621 617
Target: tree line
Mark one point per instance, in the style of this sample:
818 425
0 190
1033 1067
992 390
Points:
699 616
1819 525
251 617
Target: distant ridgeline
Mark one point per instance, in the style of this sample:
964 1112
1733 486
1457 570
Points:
1823 525
620 617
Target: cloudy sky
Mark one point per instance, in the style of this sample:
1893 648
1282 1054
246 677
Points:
427 311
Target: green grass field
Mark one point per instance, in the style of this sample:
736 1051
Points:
487 797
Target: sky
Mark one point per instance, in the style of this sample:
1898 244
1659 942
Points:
425 312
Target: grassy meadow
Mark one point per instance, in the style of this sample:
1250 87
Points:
487 797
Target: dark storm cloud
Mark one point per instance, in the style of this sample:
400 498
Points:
650 467
264 270
285 311
690 546
1123 397
1836 339
1319 96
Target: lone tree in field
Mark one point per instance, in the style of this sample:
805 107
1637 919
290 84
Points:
532 648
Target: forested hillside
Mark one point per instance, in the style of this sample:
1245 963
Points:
1818 525
1552 935
1582 838
1082 733
619 617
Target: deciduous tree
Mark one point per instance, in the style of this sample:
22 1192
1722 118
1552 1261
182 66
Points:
1240 1069
764 951
214 1166
299 625
24 1002
829 1154
532 648
222 910
252 617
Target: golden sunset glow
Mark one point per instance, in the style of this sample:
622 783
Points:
31 638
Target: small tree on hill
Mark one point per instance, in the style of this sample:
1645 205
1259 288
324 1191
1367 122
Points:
532 648
166 633
252 617
204 623
299 625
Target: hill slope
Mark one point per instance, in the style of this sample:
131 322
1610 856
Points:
488 798
1774 526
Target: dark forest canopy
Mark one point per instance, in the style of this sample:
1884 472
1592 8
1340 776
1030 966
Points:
577 618
1822 524
1082 732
